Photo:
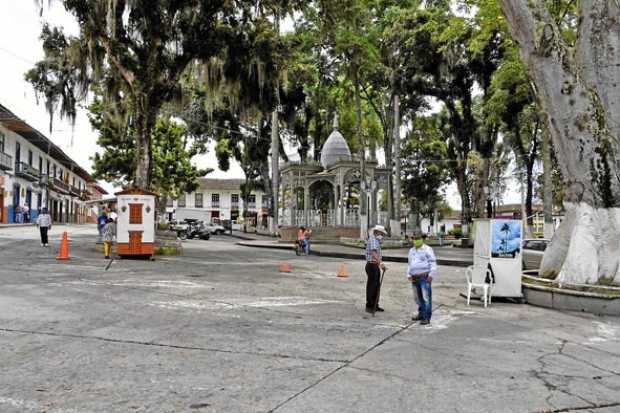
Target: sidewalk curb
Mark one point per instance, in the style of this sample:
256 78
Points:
352 256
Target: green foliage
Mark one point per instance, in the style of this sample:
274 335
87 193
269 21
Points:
424 170
173 171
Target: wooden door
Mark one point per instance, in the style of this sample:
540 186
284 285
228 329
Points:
135 242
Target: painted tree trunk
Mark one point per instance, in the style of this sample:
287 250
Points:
547 187
580 93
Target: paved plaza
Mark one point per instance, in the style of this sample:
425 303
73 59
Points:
221 330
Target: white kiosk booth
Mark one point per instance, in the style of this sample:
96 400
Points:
497 248
135 227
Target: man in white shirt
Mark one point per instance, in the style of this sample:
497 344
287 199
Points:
421 269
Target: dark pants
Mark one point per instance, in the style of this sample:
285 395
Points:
43 235
372 285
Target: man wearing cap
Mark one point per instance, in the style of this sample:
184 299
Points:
421 269
374 264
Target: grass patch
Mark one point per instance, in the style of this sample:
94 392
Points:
168 250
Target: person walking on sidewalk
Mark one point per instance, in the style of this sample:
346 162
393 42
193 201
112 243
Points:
421 269
374 265
102 220
44 222
108 237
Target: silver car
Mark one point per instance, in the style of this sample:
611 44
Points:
532 252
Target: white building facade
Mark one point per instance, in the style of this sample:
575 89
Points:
218 200
35 173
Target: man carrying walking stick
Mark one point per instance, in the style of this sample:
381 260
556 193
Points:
374 265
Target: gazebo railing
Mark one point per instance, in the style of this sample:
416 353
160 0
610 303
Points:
351 218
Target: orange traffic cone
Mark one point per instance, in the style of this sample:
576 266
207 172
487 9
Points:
342 271
285 267
63 254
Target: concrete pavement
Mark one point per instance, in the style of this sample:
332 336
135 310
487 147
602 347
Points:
452 256
221 330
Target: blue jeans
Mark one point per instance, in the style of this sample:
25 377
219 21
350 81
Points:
307 246
423 296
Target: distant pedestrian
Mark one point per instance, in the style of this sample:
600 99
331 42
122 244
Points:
108 237
307 235
26 211
44 221
374 265
301 240
421 269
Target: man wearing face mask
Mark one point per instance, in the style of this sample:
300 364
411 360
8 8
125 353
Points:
374 265
421 269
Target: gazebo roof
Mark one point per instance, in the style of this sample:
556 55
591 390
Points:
335 148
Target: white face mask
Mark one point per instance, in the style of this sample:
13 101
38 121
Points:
380 237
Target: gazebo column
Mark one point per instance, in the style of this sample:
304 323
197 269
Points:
307 205
292 203
335 204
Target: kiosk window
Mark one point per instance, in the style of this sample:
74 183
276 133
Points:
135 213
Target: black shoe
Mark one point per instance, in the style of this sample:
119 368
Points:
425 322
380 310
107 257
416 318
369 310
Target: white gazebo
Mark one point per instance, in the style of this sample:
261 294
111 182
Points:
326 196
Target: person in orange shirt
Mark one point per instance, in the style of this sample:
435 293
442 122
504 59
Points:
301 240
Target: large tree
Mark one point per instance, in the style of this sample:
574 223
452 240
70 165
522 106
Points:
139 50
573 61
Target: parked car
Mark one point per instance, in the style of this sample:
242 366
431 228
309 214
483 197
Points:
197 229
533 251
180 228
216 229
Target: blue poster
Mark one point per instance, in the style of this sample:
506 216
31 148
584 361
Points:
506 238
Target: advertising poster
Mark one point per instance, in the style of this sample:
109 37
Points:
506 238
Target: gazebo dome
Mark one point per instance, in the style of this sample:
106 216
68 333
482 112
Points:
334 148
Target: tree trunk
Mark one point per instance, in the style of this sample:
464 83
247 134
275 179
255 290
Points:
397 163
580 97
363 189
547 187
144 151
275 169
461 184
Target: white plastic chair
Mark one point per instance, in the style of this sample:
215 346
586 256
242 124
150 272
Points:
486 288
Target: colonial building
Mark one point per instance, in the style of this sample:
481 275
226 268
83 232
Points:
35 173
218 200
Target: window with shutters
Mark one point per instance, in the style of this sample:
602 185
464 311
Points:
135 213
181 201
198 200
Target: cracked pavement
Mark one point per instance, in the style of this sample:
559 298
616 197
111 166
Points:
221 330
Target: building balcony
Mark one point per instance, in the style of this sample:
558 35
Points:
74 191
6 161
44 180
25 171
85 195
234 205
58 185
251 205
215 204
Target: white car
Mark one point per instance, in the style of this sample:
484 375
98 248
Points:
216 229
533 251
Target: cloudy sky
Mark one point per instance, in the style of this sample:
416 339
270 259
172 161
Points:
20 48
